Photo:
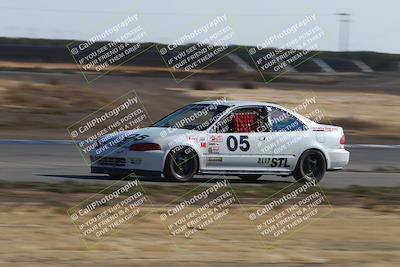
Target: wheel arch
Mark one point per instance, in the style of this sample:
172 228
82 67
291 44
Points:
317 149
167 152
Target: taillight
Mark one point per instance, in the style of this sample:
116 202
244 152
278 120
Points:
145 147
342 140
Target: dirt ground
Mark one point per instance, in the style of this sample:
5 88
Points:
36 230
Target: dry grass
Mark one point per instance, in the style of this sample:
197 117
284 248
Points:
35 230
359 113
45 66
51 106
47 96
32 105
42 236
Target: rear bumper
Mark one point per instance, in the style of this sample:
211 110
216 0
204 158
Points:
338 158
120 171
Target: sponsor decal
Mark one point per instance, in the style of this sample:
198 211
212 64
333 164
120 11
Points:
324 129
213 144
216 138
213 147
193 138
273 162
203 144
218 159
213 150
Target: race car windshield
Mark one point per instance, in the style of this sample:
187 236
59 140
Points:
192 117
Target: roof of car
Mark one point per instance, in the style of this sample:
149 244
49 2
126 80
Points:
234 102
238 103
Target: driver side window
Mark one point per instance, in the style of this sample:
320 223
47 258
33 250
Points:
244 120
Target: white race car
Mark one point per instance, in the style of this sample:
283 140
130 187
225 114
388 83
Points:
243 138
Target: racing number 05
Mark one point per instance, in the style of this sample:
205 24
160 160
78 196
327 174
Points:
232 143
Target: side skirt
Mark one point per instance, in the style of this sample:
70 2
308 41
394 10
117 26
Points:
244 172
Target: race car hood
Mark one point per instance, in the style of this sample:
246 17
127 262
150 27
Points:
143 135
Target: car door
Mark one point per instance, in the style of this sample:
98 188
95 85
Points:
234 143
288 138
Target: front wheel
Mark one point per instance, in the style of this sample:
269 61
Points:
181 165
311 166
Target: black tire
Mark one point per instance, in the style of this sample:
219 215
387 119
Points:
181 164
311 166
250 177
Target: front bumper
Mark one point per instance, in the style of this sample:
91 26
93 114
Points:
127 162
124 172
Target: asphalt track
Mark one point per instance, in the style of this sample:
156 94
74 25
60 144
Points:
57 161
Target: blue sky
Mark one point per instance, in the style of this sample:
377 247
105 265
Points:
374 25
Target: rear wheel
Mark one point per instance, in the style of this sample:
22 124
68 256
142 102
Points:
311 166
181 164
249 177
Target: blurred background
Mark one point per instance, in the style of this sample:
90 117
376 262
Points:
352 69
